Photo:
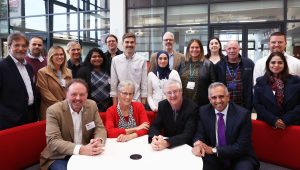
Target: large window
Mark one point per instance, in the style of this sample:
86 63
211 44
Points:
246 11
60 20
199 18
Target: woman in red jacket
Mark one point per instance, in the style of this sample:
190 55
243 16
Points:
126 120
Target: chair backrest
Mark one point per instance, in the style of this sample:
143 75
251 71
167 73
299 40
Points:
20 146
281 147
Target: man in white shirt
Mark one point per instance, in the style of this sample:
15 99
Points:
73 127
277 43
129 66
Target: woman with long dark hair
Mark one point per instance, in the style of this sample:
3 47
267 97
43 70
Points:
214 50
277 94
97 77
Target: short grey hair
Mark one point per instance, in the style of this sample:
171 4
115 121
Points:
71 44
126 83
215 85
172 81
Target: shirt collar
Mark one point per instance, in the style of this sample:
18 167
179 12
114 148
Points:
40 58
17 61
224 111
72 111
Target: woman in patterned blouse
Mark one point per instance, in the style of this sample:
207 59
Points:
126 120
97 77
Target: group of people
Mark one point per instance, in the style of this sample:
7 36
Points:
201 100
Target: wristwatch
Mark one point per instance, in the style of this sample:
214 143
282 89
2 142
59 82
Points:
214 150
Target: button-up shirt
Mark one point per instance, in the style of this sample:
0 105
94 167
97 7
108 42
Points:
134 69
25 76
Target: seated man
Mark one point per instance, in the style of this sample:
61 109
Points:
176 118
223 136
73 127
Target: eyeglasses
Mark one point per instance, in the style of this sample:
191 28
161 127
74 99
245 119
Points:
169 40
127 94
174 92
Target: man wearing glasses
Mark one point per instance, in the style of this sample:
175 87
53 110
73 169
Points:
112 50
176 118
176 59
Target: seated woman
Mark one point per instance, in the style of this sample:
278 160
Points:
53 78
157 78
126 120
277 94
96 76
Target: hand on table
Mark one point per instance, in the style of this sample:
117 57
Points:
159 143
95 147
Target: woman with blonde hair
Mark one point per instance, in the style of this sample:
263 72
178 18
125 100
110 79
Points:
52 79
197 74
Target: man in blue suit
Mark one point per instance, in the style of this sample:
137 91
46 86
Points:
223 136
16 85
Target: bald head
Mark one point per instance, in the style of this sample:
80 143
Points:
232 50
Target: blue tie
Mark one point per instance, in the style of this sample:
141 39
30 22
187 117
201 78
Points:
221 130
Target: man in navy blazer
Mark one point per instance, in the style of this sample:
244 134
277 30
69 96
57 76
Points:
176 118
234 150
16 85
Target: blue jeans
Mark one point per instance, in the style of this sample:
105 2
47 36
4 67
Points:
60 164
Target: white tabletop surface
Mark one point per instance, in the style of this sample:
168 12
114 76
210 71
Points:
117 156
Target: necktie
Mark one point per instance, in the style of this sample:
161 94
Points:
175 115
221 130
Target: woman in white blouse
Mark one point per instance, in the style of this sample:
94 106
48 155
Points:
157 78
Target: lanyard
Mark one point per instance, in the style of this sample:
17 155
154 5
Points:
233 76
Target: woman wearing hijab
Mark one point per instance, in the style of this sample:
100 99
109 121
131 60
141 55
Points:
157 78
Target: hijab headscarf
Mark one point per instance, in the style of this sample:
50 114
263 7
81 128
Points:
162 72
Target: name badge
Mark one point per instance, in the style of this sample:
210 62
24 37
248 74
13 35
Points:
190 85
41 59
232 86
90 125
63 82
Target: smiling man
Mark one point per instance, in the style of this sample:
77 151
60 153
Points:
129 66
223 136
74 51
36 57
176 59
176 117
112 49
17 92
236 73
73 127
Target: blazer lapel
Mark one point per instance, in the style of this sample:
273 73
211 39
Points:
212 126
84 121
230 121
267 91
68 119
15 71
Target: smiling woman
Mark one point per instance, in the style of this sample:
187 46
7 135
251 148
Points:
126 120
52 79
276 94
96 75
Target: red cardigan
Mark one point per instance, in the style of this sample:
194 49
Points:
112 120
